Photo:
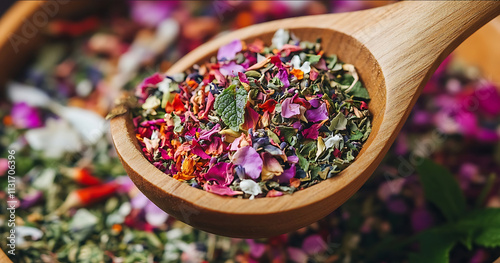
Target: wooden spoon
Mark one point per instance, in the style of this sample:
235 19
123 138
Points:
395 49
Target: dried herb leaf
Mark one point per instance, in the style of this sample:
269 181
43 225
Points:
230 105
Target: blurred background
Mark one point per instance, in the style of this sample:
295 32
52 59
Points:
434 198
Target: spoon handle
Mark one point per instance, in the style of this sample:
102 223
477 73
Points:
419 35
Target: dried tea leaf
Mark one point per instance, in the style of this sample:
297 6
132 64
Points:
338 123
230 105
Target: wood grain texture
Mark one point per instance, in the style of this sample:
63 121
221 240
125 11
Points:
4 258
395 48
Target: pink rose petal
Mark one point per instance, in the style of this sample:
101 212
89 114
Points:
220 190
289 109
229 51
249 159
218 173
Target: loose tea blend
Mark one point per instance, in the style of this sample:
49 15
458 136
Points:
255 120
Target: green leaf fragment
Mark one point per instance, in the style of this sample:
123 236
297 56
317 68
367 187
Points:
338 123
178 125
230 106
358 90
313 59
333 61
441 189
288 133
356 136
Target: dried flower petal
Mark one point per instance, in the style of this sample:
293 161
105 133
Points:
271 167
229 51
249 159
250 187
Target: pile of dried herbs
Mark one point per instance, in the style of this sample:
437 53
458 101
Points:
255 120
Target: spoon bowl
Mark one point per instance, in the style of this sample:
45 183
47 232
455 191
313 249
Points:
394 48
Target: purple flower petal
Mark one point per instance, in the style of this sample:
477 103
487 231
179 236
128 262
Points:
154 215
151 13
250 160
231 69
390 188
139 201
283 77
468 123
488 97
218 173
289 109
288 174
256 249
31 199
397 205
229 51
318 114
314 244
205 135
315 102
421 219
293 159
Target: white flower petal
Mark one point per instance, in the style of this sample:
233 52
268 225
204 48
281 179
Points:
25 231
280 38
89 124
55 139
250 187
32 96
295 61
83 219
306 67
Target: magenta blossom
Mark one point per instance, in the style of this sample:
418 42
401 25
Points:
489 98
218 173
25 116
288 174
318 114
312 132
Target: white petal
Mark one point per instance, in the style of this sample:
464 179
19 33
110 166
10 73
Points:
164 85
89 124
55 139
24 231
250 187
45 180
83 219
280 38
32 96
295 61
306 68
